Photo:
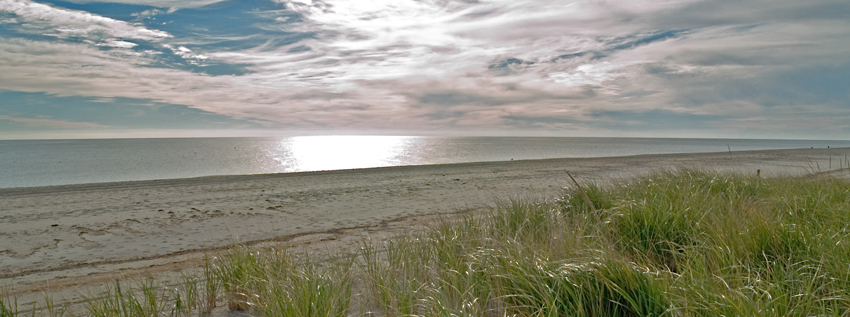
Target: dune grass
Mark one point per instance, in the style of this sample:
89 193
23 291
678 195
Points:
684 243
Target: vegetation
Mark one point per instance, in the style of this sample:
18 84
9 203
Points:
687 243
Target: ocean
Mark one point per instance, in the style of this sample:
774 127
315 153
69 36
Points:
27 163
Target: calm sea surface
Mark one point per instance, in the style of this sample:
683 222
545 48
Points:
57 162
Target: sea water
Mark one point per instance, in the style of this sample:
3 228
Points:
25 163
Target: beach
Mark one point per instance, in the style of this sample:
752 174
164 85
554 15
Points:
62 237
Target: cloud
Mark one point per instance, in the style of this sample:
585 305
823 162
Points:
65 23
51 123
116 113
465 66
428 58
158 3
184 52
70 69
118 44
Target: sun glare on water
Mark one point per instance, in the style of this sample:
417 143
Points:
318 153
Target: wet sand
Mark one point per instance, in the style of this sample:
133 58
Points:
56 237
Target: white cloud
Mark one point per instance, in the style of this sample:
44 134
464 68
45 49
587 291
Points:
395 54
587 74
470 66
148 13
118 44
73 23
184 52
159 3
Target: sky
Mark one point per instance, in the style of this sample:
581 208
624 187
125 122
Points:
608 68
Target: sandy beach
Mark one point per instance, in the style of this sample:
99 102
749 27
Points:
58 237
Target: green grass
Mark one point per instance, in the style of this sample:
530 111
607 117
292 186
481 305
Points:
683 243
8 307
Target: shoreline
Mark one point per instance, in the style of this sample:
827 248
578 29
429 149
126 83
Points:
82 233
231 177
632 153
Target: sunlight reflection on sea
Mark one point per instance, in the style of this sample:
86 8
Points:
318 153
26 163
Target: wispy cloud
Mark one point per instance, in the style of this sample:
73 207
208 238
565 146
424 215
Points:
44 19
529 66
51 123
176 4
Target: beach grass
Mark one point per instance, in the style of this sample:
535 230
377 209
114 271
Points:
8 307
677 243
